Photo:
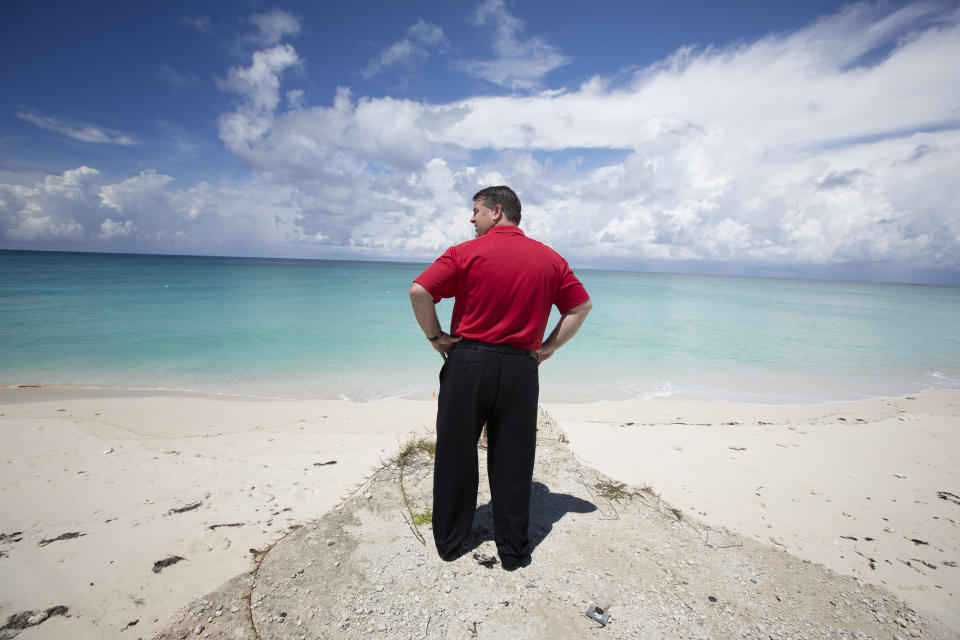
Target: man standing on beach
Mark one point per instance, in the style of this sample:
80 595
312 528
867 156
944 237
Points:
504 285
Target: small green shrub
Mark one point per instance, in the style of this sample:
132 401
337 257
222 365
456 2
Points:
422 517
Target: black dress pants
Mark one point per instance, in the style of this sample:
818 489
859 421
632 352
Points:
501 390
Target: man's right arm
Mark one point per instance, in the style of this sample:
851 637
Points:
426 312
566 328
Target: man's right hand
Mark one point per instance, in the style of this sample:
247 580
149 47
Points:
444 344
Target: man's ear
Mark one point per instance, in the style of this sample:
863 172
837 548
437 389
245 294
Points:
497 213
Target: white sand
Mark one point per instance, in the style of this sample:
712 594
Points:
247 462
802 481
816 480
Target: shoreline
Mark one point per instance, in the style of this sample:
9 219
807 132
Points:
264 466
9 391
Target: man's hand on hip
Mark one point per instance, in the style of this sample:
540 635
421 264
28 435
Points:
444 344
544 352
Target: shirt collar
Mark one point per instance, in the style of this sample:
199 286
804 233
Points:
506 229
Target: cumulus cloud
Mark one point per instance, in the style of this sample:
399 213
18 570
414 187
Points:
51 209
409 51
791 148
147 212
259 85
520 61
835 143
82 132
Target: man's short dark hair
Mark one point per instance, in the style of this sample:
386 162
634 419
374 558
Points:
503 196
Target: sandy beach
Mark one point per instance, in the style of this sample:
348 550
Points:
102 491
143 478
869 489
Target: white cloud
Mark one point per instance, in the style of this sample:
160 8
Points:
520 62
787 149
274 26
50 209
409 51
134 193
839 142
259 84
110 229
82 132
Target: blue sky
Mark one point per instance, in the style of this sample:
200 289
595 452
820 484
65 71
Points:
817 139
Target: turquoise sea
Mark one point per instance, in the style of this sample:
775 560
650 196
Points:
335 329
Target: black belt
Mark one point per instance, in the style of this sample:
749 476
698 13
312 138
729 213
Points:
476 345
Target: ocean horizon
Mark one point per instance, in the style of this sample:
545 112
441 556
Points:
299 329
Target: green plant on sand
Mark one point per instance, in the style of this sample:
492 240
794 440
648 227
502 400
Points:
403 459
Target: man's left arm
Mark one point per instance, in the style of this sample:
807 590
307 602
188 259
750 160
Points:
425 310
566 328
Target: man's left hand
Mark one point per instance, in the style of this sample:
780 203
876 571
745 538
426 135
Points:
543 353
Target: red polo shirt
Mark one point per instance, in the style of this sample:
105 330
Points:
504 284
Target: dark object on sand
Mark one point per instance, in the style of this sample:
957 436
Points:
226 524
62 536
26 619
159 565
949 497
487 561
185 508
597 613
323 464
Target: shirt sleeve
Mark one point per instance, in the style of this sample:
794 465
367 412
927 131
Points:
570 291
440 278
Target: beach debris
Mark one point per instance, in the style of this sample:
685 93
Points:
108 450
949 497
899 475
918 542
485 560
63 536
599 614
225 524
323 464
185 508
712 598
132 623
737 448
16 536
159 565
26 619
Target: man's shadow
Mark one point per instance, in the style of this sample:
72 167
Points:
546 509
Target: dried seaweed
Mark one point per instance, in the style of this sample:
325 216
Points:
63 536
26 619
159 565
185 508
